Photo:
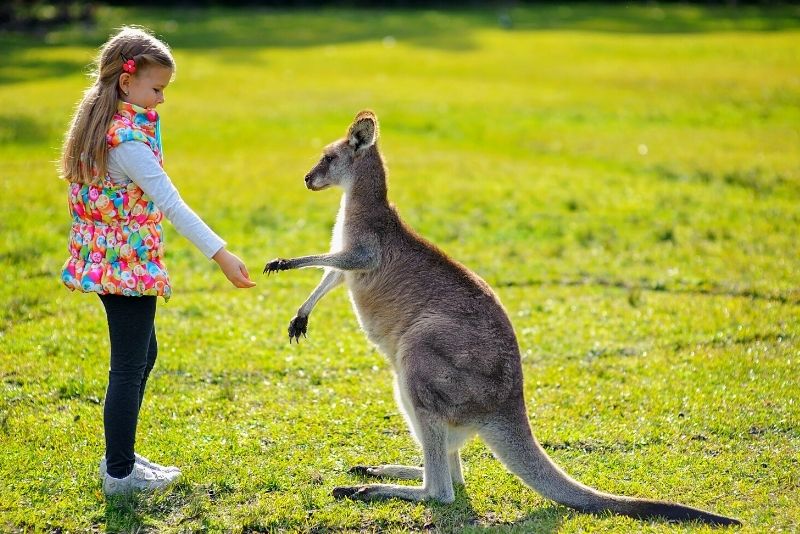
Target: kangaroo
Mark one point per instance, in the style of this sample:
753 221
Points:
455 357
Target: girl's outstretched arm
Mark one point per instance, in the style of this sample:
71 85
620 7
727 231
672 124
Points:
136 162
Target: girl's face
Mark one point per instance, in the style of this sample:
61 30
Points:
145 88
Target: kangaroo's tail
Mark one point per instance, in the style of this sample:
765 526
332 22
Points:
511 440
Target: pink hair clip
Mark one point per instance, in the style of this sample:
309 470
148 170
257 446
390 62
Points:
128 65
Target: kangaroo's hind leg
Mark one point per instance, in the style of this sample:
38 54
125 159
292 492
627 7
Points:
454 464
409 472
402 472
456 436
437 484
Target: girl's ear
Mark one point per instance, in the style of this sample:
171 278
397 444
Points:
124 82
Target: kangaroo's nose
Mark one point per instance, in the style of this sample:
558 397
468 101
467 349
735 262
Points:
308 179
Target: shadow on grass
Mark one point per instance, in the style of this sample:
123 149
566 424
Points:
454 517
251 28
460 516
123 514
145 512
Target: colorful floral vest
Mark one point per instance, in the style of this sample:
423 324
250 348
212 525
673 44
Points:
115 244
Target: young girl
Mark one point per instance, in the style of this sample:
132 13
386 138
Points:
118 194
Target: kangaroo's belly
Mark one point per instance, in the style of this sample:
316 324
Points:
382 318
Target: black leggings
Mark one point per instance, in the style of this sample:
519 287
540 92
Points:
131 329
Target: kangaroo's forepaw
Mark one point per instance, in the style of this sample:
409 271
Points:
298 326
278 264
361 493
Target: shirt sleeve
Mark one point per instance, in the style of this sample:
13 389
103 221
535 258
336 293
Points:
138 163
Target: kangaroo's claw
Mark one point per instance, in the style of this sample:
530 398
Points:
352 492
362 470
297 326
278 264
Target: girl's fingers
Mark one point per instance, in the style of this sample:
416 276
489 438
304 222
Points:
243 280
246 282
239 276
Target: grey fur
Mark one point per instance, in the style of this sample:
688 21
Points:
450 343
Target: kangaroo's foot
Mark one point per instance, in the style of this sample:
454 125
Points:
389 491
403 472
437 482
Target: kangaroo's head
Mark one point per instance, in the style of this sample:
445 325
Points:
341 159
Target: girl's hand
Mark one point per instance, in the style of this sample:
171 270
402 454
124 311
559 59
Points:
233 268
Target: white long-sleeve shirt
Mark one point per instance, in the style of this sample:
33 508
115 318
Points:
135 162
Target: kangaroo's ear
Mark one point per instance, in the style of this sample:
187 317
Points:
364 131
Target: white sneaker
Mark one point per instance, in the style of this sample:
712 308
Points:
141 479
141 460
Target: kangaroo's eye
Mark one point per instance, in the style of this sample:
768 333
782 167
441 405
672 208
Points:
327 158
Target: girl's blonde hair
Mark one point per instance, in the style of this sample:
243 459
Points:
84 153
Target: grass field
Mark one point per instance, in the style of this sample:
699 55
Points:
628 179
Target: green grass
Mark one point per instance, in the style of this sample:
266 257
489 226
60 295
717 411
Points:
627 178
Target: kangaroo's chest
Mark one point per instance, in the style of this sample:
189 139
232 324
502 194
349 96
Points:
367 290
337 238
